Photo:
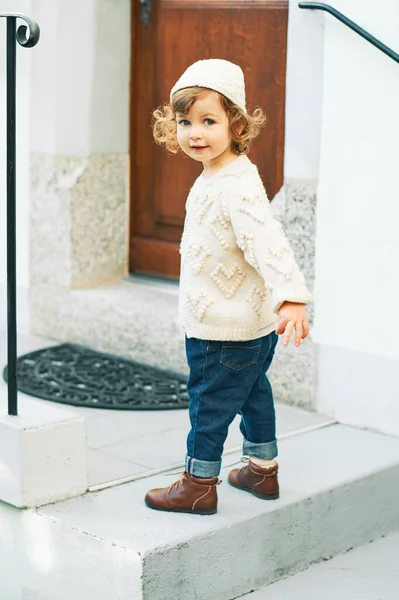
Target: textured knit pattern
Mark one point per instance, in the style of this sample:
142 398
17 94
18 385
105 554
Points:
237 267
215 74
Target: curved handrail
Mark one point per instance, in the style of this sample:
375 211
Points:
26 36
30 40
352 25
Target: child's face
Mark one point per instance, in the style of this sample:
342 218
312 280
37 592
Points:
204 132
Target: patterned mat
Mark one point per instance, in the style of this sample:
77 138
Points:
76 375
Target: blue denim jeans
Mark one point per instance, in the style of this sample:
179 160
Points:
226 379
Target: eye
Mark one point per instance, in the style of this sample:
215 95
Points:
209 121
184 122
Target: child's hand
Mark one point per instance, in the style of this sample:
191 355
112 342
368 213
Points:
292 316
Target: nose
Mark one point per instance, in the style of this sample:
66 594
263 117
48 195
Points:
195 133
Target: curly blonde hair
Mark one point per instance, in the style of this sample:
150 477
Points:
244 127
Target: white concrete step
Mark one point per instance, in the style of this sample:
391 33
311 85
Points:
339 489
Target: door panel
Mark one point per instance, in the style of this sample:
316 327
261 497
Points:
252 33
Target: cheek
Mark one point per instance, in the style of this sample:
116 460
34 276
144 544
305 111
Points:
224 136
223 141
228 134
181 136
182 139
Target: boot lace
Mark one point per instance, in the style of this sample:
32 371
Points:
176 484
243 459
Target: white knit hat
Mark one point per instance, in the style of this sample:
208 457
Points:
215 74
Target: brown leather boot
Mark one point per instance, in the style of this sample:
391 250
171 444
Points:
188 495
260 482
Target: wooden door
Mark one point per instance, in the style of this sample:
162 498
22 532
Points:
251 33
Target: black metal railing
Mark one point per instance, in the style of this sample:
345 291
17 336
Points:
27 36
352 25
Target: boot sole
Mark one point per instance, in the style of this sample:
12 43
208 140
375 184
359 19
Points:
250 491
205 511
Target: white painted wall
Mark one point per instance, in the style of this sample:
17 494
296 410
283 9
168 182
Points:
304 91
357 273
23 150
62 71
80 78
357 247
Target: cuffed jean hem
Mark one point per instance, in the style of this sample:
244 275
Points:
267 451
202 468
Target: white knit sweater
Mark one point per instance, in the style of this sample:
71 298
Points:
237 267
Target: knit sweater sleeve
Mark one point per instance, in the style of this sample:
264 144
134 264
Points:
266 248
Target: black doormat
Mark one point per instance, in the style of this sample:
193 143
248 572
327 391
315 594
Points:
76 375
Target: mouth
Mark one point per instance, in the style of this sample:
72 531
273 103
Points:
198 148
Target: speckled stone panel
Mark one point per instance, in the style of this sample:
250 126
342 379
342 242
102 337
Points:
293 371
125 318
79 219
50 219
99 222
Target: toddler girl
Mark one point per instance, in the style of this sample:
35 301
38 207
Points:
239 287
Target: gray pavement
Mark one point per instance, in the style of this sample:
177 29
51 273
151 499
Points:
370 572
